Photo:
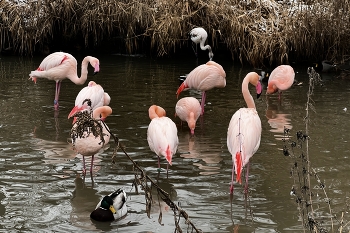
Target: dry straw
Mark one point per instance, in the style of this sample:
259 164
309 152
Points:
253 31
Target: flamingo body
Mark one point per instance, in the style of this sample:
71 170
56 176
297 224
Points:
162 134
199 36
59 66
244 131
281 79
111 207
88 144
204 78
95 93
188 109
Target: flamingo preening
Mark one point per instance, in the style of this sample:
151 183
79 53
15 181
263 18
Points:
59 66
87 142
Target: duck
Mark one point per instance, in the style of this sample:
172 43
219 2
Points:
111 207
324 66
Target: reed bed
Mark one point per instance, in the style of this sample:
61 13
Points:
254 31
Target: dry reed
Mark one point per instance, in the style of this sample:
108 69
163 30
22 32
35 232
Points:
254 31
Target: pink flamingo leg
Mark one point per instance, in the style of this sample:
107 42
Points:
246 179
233 172
203 101
92 164
57 94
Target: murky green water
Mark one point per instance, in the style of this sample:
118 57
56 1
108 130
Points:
42 189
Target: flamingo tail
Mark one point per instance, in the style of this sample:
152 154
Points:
168 156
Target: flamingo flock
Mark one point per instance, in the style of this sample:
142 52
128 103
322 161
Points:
243 133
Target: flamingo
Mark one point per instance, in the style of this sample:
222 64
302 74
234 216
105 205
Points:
199 36
111 207
95 93
59 66
281 79
88 144
188 109
244 131
204 78
162 134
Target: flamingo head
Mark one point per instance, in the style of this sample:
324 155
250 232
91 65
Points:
96 64
258 89
271 88
86 105
191 123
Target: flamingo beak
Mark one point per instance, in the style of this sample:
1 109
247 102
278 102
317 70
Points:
75 110
97 68
258 89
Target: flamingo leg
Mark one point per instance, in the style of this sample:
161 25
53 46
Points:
92 164
159 164
203 101
246 179
233 172
57 94
84 169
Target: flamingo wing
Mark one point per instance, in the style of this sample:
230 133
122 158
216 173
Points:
162 137
244 134
206 77
282 76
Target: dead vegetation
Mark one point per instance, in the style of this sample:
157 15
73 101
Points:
254 31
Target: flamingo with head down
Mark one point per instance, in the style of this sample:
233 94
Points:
281 79
244 131
188 109
95 93
59 66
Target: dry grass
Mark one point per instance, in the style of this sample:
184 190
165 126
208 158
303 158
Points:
254 31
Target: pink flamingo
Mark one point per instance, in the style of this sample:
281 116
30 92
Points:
244 131
88 144
95 93
188 109
162 134
199 36
281 79
59 65
204 78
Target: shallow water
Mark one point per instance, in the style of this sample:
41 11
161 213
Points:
40 175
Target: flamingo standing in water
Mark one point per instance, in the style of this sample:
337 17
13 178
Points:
199 36
95 93
244 131
59 66
204 78
162 134
188 109
88 144
281 79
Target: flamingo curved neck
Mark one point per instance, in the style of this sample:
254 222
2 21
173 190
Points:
84 72
103 111
211 55
156 111
250 78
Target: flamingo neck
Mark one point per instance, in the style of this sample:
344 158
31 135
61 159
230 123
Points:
103 111
211 55
252 78
84 72
156 111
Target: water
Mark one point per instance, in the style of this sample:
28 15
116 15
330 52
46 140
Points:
42 189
